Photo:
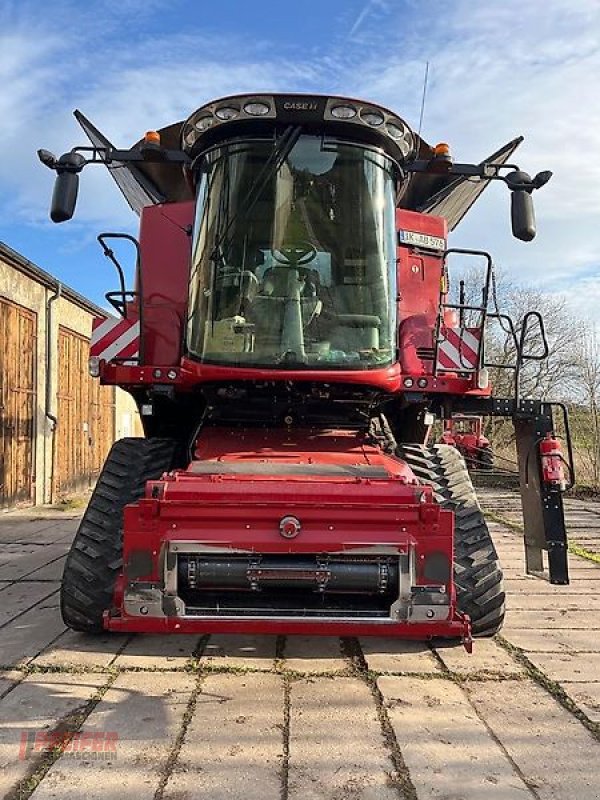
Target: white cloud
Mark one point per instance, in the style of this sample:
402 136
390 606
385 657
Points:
498 70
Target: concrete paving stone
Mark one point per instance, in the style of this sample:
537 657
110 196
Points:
8 678
49 572
575 563
487 656
21 596
574 667
143 712
395 655
35 707
586 696
74 649
18 564
557 601
523 620
31 531
27 636
336 746
446 747
559 758
314 654
233 746
157 651
533 586
554 641
244 652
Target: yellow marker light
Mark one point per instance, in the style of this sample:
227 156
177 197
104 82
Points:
152 137
441 149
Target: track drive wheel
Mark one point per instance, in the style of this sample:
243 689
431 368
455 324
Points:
486 459
477 572
95 558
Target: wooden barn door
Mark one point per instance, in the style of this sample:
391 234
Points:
85 412
18 355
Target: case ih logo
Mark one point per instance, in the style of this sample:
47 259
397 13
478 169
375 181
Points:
115 339
90 745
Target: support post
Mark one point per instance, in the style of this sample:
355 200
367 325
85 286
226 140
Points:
543 511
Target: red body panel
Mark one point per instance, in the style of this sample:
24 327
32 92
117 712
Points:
165 246
419 283
241 512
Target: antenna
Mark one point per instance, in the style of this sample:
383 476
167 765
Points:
424 96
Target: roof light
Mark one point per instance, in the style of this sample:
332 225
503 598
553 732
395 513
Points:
373 118
257 109
394 131
203 123
343 112
226 113
441 149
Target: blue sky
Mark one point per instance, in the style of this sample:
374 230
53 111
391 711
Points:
496 70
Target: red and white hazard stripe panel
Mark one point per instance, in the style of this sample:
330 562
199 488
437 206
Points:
115 338
458 349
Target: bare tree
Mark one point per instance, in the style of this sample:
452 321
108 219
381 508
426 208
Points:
585 410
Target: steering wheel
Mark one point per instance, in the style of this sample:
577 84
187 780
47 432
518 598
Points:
296 254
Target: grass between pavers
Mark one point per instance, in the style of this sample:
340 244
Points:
573 548
229 669
551 686
284 770
169 766
400 779
66 728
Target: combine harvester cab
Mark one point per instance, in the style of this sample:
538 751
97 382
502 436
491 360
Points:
289 341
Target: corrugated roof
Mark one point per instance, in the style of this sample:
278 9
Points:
27 267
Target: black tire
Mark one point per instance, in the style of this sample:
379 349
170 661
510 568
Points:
477 572
95 558
486 459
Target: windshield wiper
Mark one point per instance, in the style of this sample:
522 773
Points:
271 166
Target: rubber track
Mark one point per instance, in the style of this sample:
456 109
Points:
95 558
477 572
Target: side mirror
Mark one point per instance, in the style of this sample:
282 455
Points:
66 186
522 215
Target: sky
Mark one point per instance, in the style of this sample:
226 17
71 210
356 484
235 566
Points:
496 70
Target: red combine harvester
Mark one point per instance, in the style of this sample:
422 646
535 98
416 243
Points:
289 341
466 434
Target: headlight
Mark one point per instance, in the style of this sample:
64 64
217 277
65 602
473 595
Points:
409 383
94 366
343 112
257 109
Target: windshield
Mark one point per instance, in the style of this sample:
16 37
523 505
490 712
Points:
293 262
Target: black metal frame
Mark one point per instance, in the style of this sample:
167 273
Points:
543 511
119 299
461 307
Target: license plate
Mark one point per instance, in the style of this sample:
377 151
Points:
422 240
